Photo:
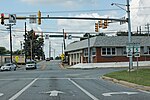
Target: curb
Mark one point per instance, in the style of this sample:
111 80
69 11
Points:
128 84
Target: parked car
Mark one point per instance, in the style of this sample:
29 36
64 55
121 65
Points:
8 66
47 59
31 65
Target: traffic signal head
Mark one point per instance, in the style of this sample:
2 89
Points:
65 35
2 18
39 17
105 24
100 23
96 27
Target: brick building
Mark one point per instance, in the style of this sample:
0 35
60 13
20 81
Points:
106 49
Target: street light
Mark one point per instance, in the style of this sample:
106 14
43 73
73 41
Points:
129 27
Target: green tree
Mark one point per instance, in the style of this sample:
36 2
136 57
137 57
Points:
3 50
35 43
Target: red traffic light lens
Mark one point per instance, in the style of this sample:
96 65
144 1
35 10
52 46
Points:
2 14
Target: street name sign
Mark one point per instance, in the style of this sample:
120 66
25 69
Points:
32 19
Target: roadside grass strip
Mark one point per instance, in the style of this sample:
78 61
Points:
140 76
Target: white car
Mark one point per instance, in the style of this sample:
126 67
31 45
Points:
8 66
31 65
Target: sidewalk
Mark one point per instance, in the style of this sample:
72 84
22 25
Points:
110 65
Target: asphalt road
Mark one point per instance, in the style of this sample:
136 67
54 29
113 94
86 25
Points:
50 82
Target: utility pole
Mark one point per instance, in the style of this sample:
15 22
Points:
31 48
9 27
49 49
62 49
21 46
64 44
89 53
140 30
54 53
10 42
25 43
64 39
137 30
129 33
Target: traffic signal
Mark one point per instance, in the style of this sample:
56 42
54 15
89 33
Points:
105 24
33 35
96 27
65 35
39 17
2 18
100 23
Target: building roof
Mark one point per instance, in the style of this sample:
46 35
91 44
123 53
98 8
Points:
106 41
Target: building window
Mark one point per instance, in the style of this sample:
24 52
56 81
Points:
108 51
85 52
93 51
148 50
113 51
104 51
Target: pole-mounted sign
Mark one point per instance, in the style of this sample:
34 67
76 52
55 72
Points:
12 18
32 19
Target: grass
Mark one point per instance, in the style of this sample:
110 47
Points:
140 76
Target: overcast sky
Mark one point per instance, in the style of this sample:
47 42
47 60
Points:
140 15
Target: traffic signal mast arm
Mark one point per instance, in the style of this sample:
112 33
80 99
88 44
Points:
78 18
82 18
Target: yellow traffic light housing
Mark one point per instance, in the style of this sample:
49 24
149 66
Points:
39 17
96 27
100 23
105 24
2 18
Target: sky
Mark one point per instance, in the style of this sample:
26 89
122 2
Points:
140 16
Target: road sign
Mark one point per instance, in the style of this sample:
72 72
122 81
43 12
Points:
47 36
136 49
129 49
137 54
129 54
123 22
12 18
69 36
32 19
16 58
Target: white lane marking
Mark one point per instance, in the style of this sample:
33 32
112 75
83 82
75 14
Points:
85 91
117 93
21 91
53 93
144 91
1 94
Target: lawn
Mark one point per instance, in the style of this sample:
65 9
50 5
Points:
140 76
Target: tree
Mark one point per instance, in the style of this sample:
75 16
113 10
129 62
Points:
35 43
17 52
3 50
